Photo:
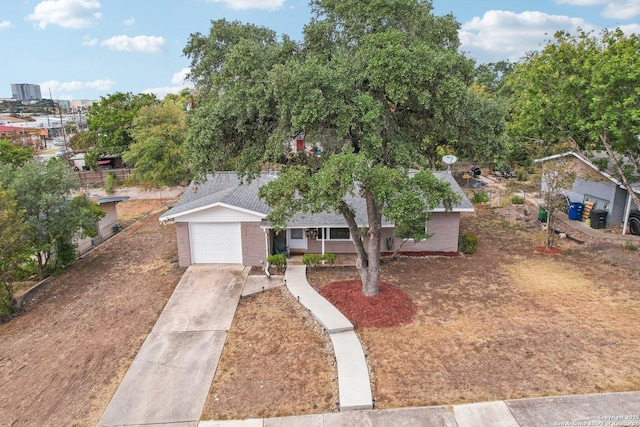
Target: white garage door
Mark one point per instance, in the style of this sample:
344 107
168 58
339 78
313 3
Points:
216 243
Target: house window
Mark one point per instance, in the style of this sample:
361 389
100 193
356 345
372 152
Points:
296 233
341 233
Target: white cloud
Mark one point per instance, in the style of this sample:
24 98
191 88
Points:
178 83
161 92
66 13
501 35
56 87
180 77
630 29
147 44
626 9
582 2
5 24
129 22
89 41
614 9
252 4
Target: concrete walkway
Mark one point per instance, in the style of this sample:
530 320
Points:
610 409
353 375
169 379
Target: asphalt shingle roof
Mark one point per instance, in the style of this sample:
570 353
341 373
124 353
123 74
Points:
227 188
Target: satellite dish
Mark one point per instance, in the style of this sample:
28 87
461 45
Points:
449 159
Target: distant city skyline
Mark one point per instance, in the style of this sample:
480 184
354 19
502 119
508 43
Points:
85 49
26 92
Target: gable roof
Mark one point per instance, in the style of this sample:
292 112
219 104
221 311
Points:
226 189
586 161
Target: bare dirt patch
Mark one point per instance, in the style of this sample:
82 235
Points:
276 362
62 359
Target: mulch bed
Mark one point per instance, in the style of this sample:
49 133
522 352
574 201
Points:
547 251
391 307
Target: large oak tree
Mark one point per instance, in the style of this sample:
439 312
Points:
581 92
379 86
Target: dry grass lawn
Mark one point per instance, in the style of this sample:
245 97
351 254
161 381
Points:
506 322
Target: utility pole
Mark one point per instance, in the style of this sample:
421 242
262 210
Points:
64 135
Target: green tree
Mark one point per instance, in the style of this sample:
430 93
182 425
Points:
159 132
373 84
580 92
111 120
491 76
558 176
53 217
12 154
12 248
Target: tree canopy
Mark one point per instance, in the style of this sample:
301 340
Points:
158 134
12 248
581 92
379 86
111 120
13 154
52 216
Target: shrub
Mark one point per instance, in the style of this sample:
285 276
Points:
311 260
517 200
110 182
522 175
330 258
468 243
278 260
480 197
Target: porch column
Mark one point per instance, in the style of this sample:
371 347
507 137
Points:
627 211
324 237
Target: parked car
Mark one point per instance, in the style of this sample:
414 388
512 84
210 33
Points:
634 222
63 152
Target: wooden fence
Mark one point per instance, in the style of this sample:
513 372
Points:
98 177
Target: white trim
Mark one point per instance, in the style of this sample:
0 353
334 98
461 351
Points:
588 163
303 241
326 231
213 205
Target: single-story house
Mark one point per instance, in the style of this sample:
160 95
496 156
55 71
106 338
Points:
592 184
224 221
107 226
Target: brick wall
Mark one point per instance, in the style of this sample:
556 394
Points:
253 244
184 245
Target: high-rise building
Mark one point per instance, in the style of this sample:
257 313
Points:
25 92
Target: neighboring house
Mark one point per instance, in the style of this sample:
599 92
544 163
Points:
107 226
224 221
597 186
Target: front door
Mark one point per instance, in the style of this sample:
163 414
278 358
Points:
296 238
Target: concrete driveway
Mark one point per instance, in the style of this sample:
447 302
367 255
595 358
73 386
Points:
169 379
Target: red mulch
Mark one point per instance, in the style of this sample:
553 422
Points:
547 251
422 254
391 307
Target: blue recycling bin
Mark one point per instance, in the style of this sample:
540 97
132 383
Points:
575 211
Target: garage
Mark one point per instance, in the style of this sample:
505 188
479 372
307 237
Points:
219 243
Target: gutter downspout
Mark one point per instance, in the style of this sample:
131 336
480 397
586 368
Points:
266 243
627 211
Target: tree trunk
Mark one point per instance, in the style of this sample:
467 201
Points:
367 249
41 264
614 159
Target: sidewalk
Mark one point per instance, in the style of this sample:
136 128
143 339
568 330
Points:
611 409
354 386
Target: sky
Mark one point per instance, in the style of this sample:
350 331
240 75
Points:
85 49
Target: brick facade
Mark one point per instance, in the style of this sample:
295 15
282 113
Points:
184 245
253 244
